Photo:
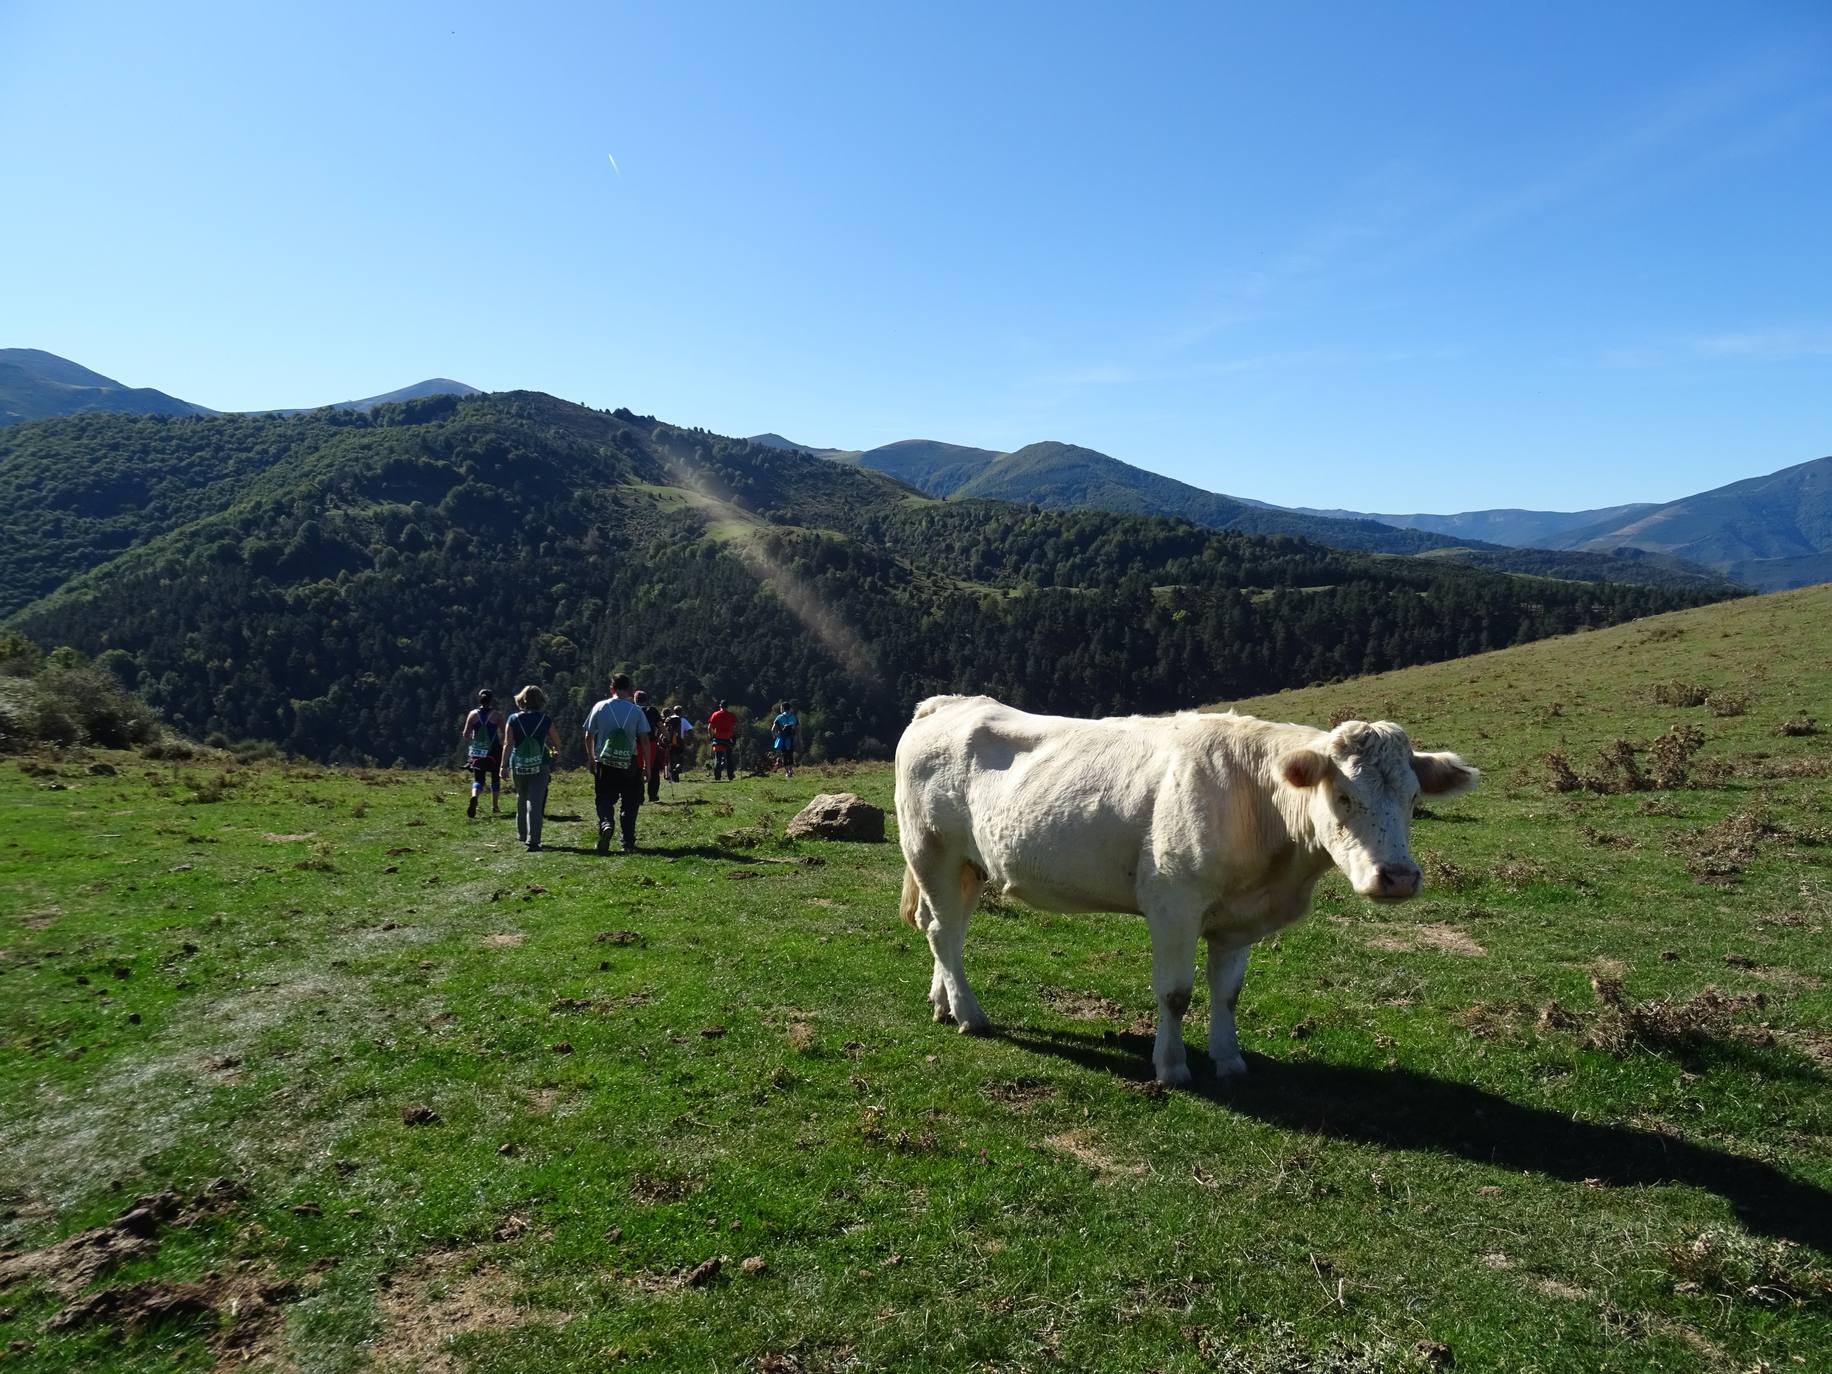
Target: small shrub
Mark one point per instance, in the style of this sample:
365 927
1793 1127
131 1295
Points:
1728 703
208 792
1681 694
1797 726
1670 756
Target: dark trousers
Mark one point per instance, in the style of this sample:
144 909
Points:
611 786
722 759
655 776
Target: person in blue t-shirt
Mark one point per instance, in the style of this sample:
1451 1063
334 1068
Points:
784 729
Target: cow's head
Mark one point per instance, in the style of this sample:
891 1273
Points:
1360 782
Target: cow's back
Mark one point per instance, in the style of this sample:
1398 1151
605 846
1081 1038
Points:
1053 810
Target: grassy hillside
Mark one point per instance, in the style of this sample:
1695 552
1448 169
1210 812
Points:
488 1110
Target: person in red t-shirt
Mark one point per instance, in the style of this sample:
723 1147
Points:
723 726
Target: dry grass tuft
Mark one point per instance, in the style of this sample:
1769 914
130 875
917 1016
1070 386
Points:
1623 1026
1440 872
1681 694
1729 703
1796 726
1771 1273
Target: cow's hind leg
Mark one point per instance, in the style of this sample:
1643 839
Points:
1173 976
949 891
1227 967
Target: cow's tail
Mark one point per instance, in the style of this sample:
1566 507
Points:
912 895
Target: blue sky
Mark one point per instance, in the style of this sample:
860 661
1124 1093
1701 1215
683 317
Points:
1390 257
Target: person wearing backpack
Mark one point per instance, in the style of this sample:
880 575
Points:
676 729
724 728
481 731
784 727
620 745
526 740
654 769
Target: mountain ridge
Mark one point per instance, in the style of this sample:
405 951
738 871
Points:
36 385
342 582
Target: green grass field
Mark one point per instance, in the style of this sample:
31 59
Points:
484 1109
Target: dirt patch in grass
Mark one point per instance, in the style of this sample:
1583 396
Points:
1085 1148
1020 1092
1081 1006
1816 1045
1409 939
503 939
445 1296
73 1263
250 1300
272 838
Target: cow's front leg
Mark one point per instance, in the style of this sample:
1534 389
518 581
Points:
1173 976
938 995
1227 968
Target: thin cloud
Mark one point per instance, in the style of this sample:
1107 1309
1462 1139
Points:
1766 345
1769 345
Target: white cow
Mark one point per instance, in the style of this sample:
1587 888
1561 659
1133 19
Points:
1212 826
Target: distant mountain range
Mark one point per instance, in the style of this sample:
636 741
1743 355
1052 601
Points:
1770 532
35 385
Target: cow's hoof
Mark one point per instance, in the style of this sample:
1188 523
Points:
974 1025
1176 1076
1231 1066
943 1017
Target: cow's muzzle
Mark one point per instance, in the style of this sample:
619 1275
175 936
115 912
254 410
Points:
1395 882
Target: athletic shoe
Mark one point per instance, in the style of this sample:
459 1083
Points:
471 810
604 842
628 848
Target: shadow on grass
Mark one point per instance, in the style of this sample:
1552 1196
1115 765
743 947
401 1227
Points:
1400 1109
656 851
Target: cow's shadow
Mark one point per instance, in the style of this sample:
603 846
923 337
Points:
1402 1109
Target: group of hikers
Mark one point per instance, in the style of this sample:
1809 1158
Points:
630 745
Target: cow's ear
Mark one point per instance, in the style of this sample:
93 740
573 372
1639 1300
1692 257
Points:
1303 767
1444 775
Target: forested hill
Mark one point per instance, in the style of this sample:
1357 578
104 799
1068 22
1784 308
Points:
341 583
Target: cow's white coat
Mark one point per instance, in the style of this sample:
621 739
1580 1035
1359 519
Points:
1214 827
